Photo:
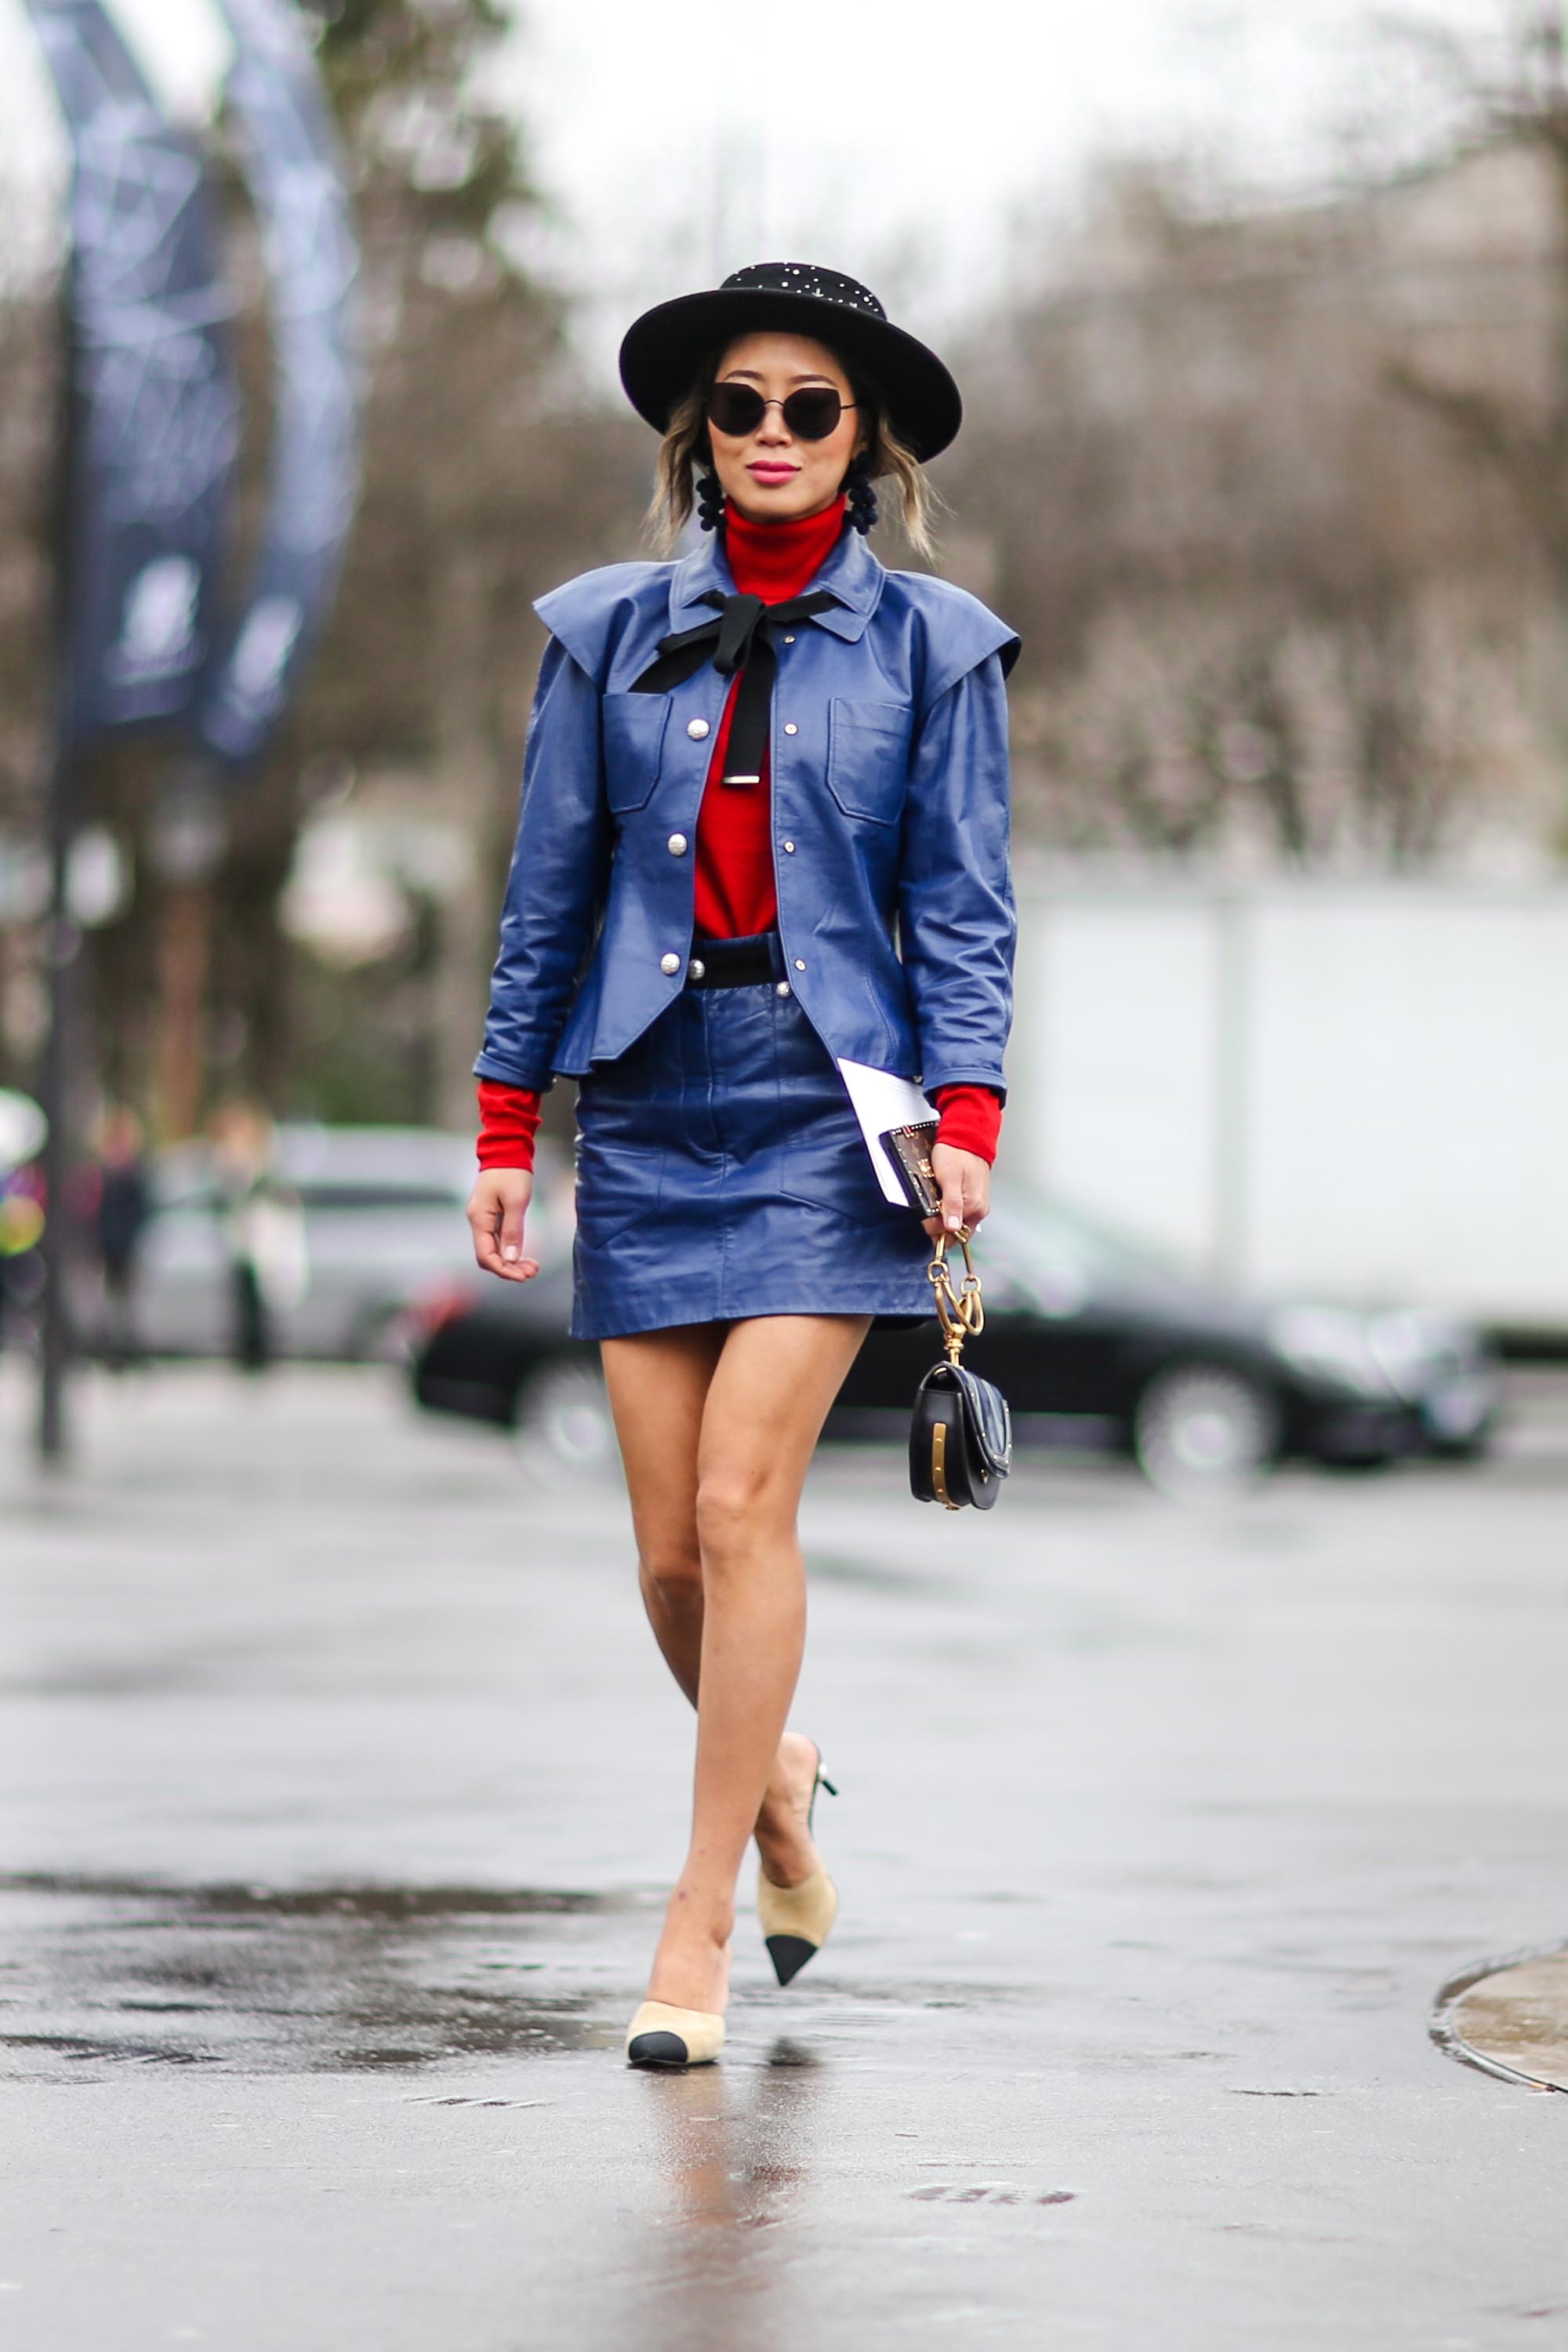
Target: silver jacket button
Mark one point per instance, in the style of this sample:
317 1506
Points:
800 963
696 969
669 963
783 989
696 728
790 727
677 844
790 847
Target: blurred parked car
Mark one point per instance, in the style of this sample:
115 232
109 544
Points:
1094 1343
371 1216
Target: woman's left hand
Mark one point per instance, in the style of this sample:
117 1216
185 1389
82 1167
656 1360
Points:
966 1182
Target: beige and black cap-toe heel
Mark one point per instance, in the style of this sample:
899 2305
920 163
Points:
660 2035
796 1920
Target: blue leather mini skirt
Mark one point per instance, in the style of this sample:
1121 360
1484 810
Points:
722 1173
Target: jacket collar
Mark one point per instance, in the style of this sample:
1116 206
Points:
851 573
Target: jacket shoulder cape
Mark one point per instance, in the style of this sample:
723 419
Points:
589 615
956 631
951 632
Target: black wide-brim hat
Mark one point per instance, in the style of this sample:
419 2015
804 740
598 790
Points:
665 348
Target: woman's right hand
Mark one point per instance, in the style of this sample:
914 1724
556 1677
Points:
496 1207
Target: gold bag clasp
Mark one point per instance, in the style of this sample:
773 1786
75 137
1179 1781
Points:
961 1312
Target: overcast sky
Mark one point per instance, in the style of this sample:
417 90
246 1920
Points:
903 140
911 138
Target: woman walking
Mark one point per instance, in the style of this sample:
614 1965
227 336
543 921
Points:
764 829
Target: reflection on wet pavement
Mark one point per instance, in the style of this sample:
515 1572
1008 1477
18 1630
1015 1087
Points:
259 1979
731 2151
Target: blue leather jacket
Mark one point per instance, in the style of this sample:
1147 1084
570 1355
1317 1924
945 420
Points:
890 797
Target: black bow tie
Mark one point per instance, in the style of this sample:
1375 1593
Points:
741 638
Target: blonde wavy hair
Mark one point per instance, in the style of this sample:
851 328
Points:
685 447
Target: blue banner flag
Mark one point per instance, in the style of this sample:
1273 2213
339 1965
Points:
154 401
299 187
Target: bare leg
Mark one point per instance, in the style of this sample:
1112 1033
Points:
659 1383
766 1400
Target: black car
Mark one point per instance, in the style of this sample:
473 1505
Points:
1093 1342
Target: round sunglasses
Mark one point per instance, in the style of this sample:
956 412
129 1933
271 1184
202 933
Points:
811 414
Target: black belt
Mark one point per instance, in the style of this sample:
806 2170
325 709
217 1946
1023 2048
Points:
735 963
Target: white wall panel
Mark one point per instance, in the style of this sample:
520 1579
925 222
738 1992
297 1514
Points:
1409 1099
1352 1092
1122 1084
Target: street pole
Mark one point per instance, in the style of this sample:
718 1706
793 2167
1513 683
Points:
62 943
186 849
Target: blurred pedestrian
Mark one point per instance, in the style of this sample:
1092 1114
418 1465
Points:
263 1228
121 1213
21 1262
723 887
23 1128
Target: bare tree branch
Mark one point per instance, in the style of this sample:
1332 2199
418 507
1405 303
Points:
1481 420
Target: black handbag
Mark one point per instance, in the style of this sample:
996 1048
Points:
960 1439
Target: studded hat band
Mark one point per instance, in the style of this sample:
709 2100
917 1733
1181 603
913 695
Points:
665 351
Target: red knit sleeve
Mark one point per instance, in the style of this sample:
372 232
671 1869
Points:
971 1119
508 1121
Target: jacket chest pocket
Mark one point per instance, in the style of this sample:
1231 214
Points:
869 757
634 731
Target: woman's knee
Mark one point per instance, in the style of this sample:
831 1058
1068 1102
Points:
673 1573
736 1511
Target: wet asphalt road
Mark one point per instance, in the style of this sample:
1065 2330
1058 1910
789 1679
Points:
341 1781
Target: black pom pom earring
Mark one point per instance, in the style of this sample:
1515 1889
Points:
710 501
859 495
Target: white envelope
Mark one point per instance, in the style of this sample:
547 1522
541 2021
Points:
881 1100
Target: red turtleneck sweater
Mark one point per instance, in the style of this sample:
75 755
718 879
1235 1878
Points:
736 895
